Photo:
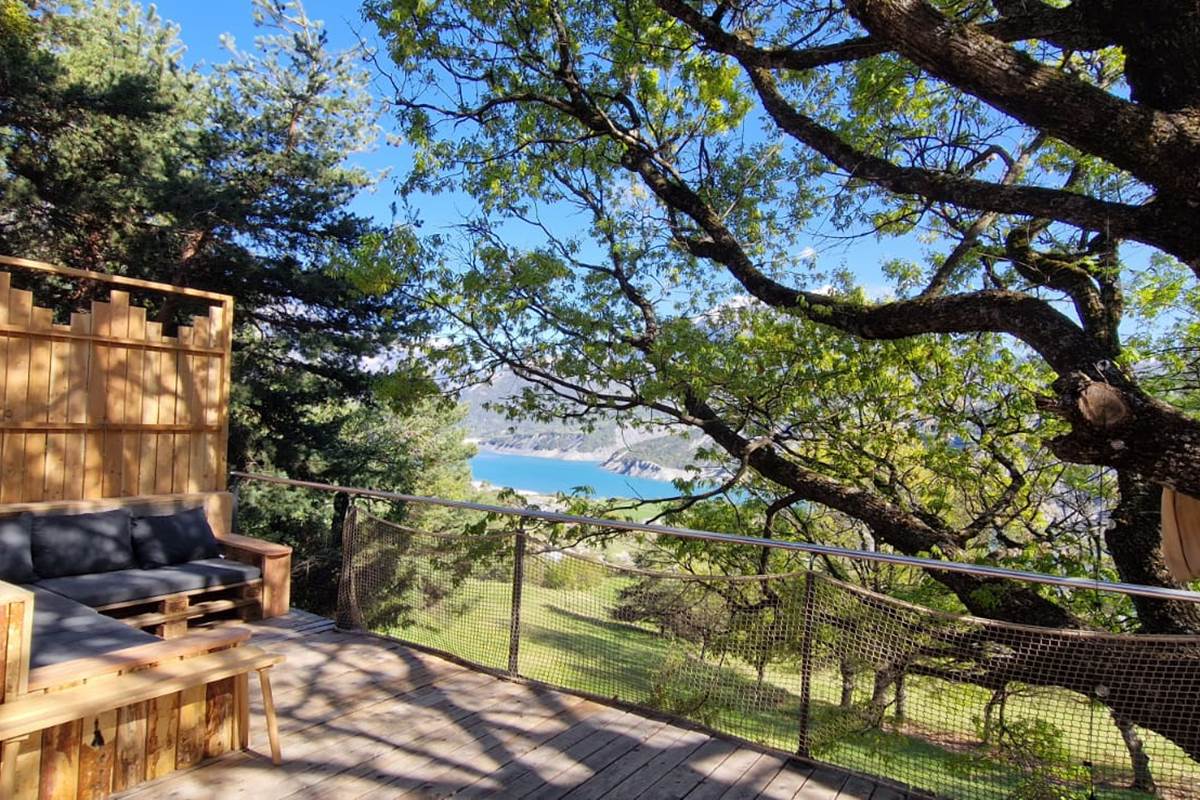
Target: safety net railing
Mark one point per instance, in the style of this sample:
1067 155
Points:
781 653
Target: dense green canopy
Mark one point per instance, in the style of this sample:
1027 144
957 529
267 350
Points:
665 165
117 157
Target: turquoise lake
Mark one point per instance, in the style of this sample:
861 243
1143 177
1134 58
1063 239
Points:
551 475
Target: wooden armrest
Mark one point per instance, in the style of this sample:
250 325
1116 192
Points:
16 632
247 544
40 711
11 593
275 561
66 673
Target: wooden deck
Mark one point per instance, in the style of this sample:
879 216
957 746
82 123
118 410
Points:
364 717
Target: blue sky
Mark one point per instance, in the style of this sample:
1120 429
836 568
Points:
202 23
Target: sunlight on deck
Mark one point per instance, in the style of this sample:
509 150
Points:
366 717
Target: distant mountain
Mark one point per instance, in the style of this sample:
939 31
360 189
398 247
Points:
626 450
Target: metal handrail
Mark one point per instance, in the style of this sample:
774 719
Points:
933 564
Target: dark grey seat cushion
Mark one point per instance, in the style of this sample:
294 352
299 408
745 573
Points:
16 549
177 538
105 588
64 630
80 544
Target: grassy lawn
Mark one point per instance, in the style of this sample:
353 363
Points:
569 639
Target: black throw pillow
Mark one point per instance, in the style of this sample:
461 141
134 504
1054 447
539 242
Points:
16 549
174 538
81 544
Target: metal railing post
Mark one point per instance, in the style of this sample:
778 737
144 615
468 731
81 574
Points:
518 583
349 614
808 620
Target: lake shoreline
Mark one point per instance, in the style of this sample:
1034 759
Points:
604 459
546 475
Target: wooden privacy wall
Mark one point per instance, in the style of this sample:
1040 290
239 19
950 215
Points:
107 406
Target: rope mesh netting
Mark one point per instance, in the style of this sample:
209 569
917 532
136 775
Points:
949 705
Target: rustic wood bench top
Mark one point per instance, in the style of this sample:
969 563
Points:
32 713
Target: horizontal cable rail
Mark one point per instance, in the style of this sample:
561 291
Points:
745 641
981 570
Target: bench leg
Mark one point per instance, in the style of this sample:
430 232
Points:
8 767
241 695
269 710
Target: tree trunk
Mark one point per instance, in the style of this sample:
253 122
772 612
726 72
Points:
348 611
1130 431
1134 540
1143 778
848 674
885 676
995 705
901 698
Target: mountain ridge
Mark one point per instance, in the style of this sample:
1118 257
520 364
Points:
637 451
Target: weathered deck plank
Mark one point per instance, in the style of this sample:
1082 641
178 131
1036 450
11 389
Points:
366 718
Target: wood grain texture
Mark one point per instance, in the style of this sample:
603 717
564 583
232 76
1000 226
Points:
60 762
189 748
366 717
29 763
107 406
129 768
162 734
97 751
219 714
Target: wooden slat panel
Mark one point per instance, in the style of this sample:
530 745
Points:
165 457
224 335
98 374
107 406
186 390
94 448
161 735
218 718
5 656
59 765
57 411
135 427
63 333
60 381
197 477
129 766
134 394
93 465
81 353
183 457
117 397
97 752
199 388
75 472
5 412
111 463
37 405
5 285
35 467
16 394
55 464
29 768
152 382
18 636
190 738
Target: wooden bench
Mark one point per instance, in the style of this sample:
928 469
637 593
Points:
106 723
34 713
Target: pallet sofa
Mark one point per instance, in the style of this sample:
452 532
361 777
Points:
105 682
